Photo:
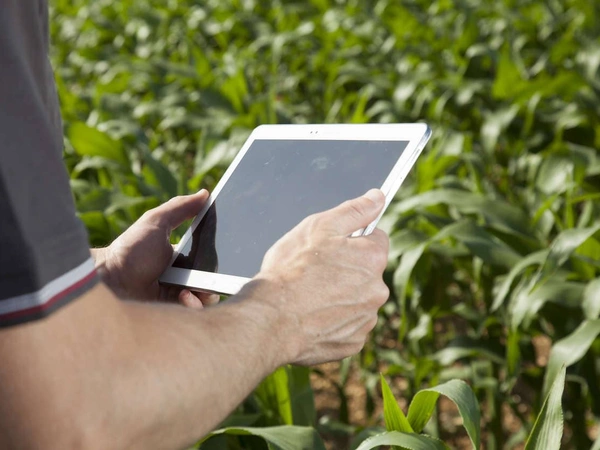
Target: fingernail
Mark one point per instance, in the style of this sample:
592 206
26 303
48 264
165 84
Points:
376 196
202 192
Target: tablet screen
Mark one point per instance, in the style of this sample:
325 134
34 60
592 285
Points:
274 187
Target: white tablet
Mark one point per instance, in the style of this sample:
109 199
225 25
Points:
282 174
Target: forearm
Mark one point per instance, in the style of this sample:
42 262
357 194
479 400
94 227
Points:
199 366
140 376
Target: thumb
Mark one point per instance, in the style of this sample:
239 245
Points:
179 209
355 214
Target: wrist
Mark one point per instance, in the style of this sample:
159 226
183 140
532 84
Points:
99 257
105 267
262 300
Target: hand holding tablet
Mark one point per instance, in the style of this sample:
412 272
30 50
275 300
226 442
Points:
321 288
283 174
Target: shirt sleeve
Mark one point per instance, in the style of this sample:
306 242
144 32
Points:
44 255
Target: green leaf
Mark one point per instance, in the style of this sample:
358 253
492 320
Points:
302 396
159 175
402 241
586 259
237 420
284 437
286 397
93 199
565 244
98 228
402 277
464 347
495 123
395 420
220 155
274 395
555 174
497 213
403 440
120 201
569 350
548 428
534 258
481 243
513 352
88 141
423 404
421 330
507 75
527 302
95 163
591 300
362 436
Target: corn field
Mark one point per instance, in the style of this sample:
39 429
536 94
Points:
490 337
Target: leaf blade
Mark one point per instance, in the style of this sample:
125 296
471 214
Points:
461 394
404 440
395 420
548 427
569 350
88 141
286 437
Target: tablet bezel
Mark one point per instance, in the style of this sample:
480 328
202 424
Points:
416 135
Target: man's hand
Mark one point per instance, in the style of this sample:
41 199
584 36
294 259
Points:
132 264
325 286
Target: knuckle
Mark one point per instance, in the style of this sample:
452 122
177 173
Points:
366 202
357 347
372 323
176 202
377 259
385 239
382 239
313 222
380 294
381 260
156 215
316 221
356 208
149 216
173 201
383 293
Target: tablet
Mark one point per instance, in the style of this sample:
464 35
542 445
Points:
283 174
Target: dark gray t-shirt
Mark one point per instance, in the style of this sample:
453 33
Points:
44 255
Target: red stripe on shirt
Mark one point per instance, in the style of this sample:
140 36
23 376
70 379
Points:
51 301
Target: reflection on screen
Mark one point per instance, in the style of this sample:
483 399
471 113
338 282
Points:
276 185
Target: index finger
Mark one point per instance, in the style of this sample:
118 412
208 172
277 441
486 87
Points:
177 210
354 214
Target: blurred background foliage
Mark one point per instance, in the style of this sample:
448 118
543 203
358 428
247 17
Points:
495 255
